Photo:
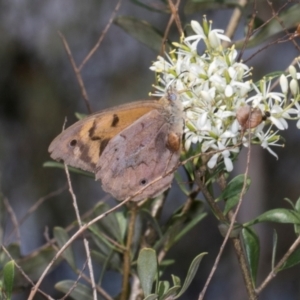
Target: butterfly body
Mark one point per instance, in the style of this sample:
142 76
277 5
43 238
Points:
127 147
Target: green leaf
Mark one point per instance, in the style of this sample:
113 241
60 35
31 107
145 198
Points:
274 248
235 232
231 203
110 260
181 183
142 31
171 293
180 223
61 236
53 164
80 116
232 192
297 208
290 202
34 265
252 248
104 245
163 287
148 218
110 224
234 187
191 273
8 278
147 269
176 280
288 17
167 262
297 205
189 225
278 215
79 291
294 259
122 221
137 233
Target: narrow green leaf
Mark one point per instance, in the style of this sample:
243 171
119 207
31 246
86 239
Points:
109 261
163 287
278 215
110 224
290 202
142 31
297 208
171 293
80 116
181 183
190 225
274 248
231 203
294 259
61 236
191 273
297 205
34 265
235 232
176 280
147 269
138 231
104 245
79 291
180 223
122 220
252 248
234 187
53 164
8 278
146 215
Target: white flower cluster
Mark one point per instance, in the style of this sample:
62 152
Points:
214 89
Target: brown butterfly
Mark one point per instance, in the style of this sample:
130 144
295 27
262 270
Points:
126 146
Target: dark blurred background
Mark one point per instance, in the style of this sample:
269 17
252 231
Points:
38 89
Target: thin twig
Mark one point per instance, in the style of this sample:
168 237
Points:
249 31
273 273
173 17
85 227
77 73
76 282
251 292
13 219
85 241
94 49
35 206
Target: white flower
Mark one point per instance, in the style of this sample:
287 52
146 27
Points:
283 83
213 85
